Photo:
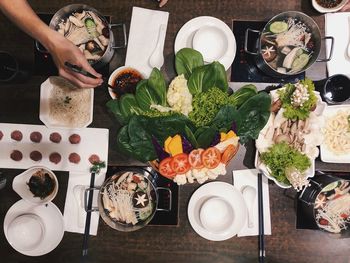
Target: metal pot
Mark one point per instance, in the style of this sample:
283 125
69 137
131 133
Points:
66 11
316 36
154 193
310 194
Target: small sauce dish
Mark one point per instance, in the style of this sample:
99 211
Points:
323 9
211 41
124 80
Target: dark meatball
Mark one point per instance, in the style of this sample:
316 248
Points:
35 156
74 158
74 138
1 135
55 158
94 158
55 137
16 155
36 137
16 135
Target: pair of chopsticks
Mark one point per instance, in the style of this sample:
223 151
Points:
261 220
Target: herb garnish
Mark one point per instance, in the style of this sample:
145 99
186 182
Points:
97 166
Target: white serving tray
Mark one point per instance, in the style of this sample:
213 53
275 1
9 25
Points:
93 141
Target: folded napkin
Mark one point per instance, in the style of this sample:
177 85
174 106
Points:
74 214
243 178
143 37
337 25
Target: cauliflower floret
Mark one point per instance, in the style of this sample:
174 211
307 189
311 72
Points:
180 179
189 177
219 170
179 96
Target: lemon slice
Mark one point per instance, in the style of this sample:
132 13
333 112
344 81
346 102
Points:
278 27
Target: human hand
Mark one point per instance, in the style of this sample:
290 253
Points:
63 50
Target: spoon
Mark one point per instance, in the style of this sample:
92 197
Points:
249 195
156 60
78 191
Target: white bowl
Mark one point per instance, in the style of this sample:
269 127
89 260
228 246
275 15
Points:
328 10
216 215
211 42
20 185
44 114
115 73
26 232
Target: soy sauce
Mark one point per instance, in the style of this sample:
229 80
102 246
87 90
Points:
126 81
337 89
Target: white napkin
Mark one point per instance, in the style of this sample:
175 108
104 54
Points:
246 177
337 25
72 221
143 37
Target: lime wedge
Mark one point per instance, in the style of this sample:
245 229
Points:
278 27
300 62
330 186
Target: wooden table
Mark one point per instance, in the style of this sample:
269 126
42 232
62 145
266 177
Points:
19 103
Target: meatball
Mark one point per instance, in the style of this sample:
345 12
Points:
74 158
16 135
74 138
55 157
16 155
94 158
36 137
1 135
35 156
55 137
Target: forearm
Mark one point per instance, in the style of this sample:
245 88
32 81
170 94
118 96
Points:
20 12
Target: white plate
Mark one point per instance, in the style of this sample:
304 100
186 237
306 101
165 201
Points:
44 114
93 141
185 36
52 221
230 194
326 155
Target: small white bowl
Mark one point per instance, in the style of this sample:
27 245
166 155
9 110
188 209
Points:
20 185
26 232
211 42
216 215
117 72
321 9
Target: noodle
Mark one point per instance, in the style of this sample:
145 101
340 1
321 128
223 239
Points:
337 134
68 105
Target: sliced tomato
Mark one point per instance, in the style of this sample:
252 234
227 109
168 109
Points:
228 154
180 164
195 158
211 157
165 168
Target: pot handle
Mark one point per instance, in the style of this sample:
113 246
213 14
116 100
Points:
87 190
124 34
246 39
330 52
170 199
312 193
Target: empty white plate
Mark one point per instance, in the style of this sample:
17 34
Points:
52 221
184 37
231 196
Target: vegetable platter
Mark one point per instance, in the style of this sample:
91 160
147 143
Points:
287 145
190 130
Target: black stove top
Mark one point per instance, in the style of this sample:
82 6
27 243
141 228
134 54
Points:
163 218
244 68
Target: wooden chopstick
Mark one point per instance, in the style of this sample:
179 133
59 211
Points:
261 220
88 217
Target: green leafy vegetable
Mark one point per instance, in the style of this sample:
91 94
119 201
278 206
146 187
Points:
145 96
205 136
205 77
114 108
156 82
224 118
281 157
252 116
300 112
186 60
242 95
128 105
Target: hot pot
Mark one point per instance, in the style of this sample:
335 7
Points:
320 186
154 196
314 30
65 11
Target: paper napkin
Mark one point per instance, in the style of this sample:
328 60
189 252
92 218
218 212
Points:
337 25
246 177
143 37
74 217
